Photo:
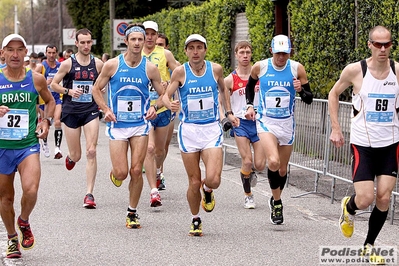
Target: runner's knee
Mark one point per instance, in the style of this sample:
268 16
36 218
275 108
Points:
383 201
151 149
260 164
247 163
273 164
213 183
364 200
119 174
91 154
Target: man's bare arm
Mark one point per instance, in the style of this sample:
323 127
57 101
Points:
62 71
171 61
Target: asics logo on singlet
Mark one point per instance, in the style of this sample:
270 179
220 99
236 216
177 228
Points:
269 75
389 83
192 81
123 70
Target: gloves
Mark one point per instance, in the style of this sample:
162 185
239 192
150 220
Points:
226 124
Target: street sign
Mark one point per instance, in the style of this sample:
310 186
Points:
119 27
68 36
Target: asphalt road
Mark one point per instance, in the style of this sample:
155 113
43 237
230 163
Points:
68 234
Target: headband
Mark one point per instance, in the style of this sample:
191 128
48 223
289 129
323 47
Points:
134 29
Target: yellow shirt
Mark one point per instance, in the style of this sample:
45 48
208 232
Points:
157 57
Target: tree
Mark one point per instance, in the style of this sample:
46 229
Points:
92 14
7 15
45 21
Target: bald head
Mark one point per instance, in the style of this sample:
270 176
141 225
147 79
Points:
378 31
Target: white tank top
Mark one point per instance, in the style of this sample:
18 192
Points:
374 119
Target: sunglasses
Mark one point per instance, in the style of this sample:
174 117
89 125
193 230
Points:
379 45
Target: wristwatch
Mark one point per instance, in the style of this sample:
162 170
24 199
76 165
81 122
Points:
155 107
66 91
229 113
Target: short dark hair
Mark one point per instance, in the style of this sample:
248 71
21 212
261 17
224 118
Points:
51 46
69 50
83 32
106 55
40 54
34 55
163 36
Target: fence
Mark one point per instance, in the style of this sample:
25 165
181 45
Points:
312 149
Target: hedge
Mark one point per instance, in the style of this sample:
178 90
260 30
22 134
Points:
326 34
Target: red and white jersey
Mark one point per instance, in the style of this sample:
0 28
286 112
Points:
237 97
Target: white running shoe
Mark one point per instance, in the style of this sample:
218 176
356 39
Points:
249 202
46 149
57 153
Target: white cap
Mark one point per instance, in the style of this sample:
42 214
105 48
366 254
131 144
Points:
150 25
26 58
194 37
13 37
281 44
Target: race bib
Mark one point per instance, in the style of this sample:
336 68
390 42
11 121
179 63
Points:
129 109
277 104
200 106
86 87
380 108
14 125
50 78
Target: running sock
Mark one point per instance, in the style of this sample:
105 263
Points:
351 205
11 236
195 216
245 173
277 202
246 184
376 221
154 190
159 171
20 220
58 137
207 189
274 179
131 209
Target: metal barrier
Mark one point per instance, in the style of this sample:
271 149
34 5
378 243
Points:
312 149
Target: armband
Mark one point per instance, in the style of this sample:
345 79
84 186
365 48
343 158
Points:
250 90
306 94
